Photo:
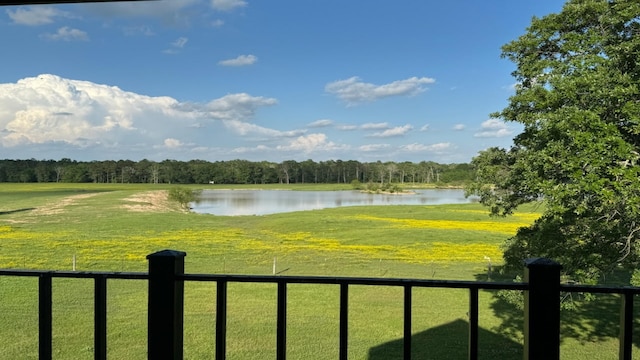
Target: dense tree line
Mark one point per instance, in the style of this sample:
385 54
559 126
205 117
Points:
231 172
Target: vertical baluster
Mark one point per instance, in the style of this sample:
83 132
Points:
221 320
473 323
281 338
100 318
407 322
626 325
344 320
44 317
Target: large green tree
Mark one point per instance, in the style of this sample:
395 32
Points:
578 98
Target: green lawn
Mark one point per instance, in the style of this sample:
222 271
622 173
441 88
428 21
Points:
113 227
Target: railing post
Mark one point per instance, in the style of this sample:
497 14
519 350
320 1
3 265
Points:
166 305
626 326
542 309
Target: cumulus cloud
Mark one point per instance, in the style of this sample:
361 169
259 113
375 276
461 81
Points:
227 5
321 123
493 128
346 127
48 109
67 34
36 15
242 60
424 128
396 131
354 91
459 127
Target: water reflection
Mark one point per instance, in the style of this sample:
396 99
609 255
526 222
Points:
262 202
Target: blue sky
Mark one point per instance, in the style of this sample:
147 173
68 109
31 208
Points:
411 80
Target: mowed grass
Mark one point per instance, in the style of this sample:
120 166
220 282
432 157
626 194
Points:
113 227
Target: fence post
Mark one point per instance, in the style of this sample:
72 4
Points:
166 305
542 309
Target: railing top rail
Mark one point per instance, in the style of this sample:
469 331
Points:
600 289
76 274
453 284
456 284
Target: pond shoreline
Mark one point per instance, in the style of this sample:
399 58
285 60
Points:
263 202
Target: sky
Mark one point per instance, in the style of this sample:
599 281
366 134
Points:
410 80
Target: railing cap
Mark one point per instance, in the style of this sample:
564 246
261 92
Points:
541 262
167 253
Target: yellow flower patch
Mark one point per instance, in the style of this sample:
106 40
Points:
490 226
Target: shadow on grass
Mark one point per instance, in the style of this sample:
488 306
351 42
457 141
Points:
450 341
15 211
594 320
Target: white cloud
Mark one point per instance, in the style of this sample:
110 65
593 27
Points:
321 123
172 143
374 126
346 127
312 143
237 106
227 5
373 147
67 34
255 149
48 109
433 148
459 127
36 15
493 128
244 128
354 91
309 143
396 131
242 60
424 128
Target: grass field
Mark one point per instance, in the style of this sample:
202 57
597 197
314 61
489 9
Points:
113 227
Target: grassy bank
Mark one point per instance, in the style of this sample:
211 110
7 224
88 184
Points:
113 227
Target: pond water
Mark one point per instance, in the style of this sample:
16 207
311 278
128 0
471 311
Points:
262 202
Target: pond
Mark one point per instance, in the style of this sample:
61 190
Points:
263 202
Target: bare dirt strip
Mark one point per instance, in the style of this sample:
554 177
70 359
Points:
149 201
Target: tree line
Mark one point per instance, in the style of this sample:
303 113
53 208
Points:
232 172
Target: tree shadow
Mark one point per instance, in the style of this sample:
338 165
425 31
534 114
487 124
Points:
591 318
15 211
450 341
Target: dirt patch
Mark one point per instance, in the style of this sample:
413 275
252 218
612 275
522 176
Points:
58 206
150 201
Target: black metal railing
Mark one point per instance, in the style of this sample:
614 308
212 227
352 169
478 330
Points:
45 301
166 279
